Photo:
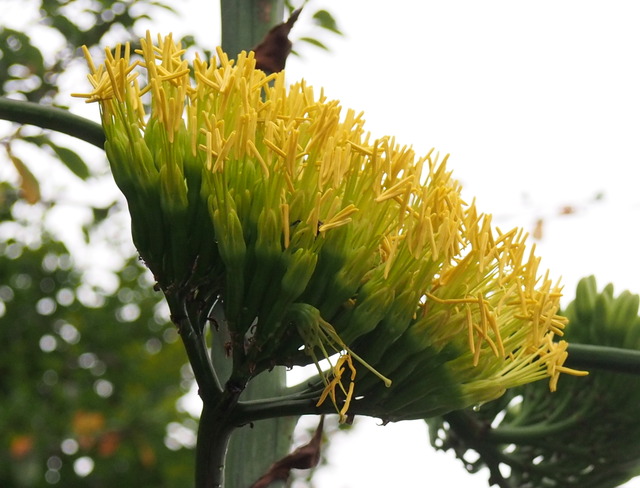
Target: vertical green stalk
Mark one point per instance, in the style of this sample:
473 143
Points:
255 446
214 432
244 25
216 426
246 22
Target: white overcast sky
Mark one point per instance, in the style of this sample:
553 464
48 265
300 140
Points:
538 103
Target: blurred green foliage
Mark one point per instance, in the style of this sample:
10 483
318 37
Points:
87 378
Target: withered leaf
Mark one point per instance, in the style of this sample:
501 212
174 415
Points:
272 52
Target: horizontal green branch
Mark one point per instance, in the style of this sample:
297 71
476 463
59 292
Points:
48 117
526 434
615 359
252 410
581 356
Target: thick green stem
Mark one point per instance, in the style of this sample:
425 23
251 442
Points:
48 117
214 432
605 358
246 22
219 404
256 445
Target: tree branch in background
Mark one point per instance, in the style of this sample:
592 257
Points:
48 117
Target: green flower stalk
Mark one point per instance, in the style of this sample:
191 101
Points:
319 241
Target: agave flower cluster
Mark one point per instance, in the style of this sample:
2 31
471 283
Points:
319 240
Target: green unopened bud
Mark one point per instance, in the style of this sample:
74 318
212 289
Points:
299 269
266 256
585 300
373 346
119 150
344 282
367 312
174 204
232 250
601 312
625 311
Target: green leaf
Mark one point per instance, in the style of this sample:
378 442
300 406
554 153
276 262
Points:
315 42
100 214
71 160
39 140
325 20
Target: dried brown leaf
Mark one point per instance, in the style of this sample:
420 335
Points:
305 457
272 52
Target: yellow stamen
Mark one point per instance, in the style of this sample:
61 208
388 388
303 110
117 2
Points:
341 218
336 381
